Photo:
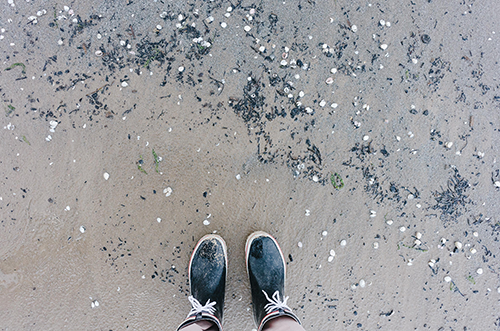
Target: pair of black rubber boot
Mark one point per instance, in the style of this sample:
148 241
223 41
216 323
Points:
266 270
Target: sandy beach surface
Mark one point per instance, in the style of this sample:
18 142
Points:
364 136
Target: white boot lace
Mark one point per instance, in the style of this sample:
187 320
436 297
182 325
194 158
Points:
198 308
275 303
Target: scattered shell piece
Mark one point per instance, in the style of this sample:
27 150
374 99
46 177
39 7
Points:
124 84
309 110
383 47
332 252
389 222
262 49
206 222
365 138
60 42
375 245
238 176
106 176
283 63
315 178
223 25
333 70
415 61
449 144
82 229
343 242
334 105
159 27
497 183
388 24
308 212
322 103
247 28
475 234
402 229
158 219
443 240
447 279
432 263
330 258
417 242
382 22
473 250
299 244
98 53
329 80
354 28
181 69
68 208
418 235
458 245
167 191
479 271
362 283
324 233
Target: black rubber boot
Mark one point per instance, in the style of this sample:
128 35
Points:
266 270
207 278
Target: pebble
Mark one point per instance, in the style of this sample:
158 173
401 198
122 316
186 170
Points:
333 70
334 105
82 229
159 27
431 263
475 234
497 183
167 191
238 176
447 279
106 176
315 178
479 271
68 208
262 49
60 42
382 22
365 138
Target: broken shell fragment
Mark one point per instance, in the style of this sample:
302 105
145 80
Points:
329 80
458 245
447 279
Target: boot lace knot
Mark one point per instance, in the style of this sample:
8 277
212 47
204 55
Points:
275 303
198 308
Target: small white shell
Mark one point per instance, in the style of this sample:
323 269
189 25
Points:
332 252
124 84
449 144
299 244
167 191
362 283
330 258
324 233
375 245
247 28
402 229
473 250
158 220
343 242
389 222
82 229
418 235
354 28
383 47
458 245
447 279
206 222
106 176
98 53
329 80
479 271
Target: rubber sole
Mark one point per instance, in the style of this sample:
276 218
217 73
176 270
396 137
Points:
205 237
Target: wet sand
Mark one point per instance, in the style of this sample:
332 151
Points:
206 102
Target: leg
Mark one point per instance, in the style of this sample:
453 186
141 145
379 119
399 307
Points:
283 324
200 326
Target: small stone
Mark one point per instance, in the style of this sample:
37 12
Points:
322 103
315 179
82 229
458 245
68 208
415 61
365 138
497 183
425 39
334 105
388 24
262 49
167 191
283 63
447 279
479 271
158 27
60 42
431 263
417 242
475 234
106 176
382 22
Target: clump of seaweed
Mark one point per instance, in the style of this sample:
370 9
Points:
452 199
